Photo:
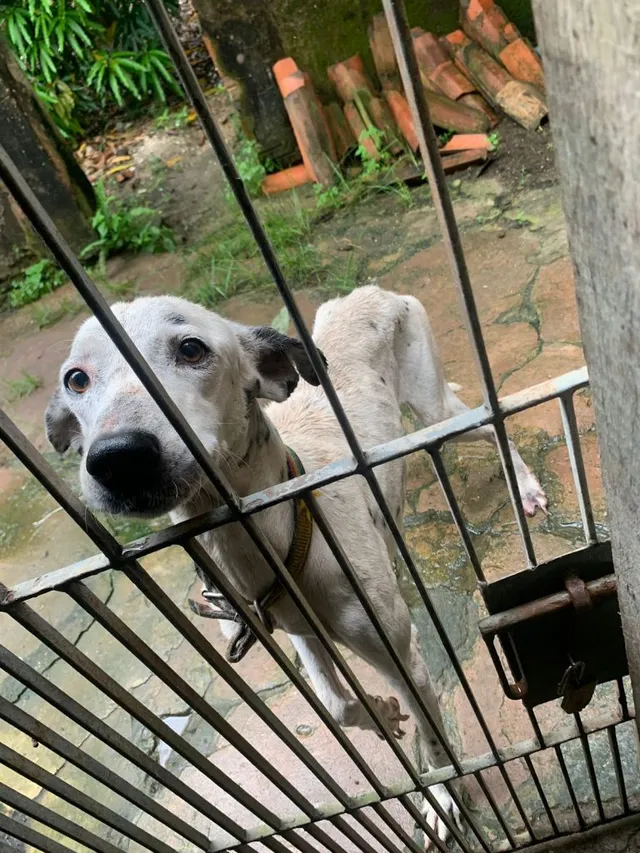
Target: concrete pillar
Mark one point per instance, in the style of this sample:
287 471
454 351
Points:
592 69
32 141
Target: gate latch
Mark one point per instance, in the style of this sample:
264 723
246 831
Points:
558 629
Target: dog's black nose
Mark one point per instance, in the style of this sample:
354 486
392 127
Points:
125 462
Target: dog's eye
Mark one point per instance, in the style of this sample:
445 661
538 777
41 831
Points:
77 381
192 351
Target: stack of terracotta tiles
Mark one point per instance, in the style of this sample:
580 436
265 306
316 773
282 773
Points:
470 77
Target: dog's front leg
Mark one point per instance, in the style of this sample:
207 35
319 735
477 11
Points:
341 704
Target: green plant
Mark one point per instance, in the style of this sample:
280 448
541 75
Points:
228 261
38 279
494 139
172 119
122 228
85 55
250 166
372 165
20 388
444 137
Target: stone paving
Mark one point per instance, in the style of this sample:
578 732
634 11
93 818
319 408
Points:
522 278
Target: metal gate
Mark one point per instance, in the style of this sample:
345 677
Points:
377 819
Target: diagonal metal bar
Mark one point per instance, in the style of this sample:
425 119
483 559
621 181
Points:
18 830
145 654
75 797
65 749
64 703
41 629
570 426
46 816
213 574
149 588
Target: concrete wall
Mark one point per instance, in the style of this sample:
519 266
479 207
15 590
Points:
50 169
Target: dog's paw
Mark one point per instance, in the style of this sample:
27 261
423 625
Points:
439 827
531 494
390 711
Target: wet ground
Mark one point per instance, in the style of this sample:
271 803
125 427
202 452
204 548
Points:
516 248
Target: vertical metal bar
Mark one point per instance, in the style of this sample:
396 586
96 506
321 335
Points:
542 795
617 763
402 43
63 825
572 436
195 94
354 837
345 564
456 513
567 781
586 749
432 836
495 809
374 830
221 582
41 777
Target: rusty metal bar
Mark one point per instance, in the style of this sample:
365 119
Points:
492 625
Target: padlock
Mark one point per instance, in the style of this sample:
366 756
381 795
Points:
575 695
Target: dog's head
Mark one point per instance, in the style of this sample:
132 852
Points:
133 461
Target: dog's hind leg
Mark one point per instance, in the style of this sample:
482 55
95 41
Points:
423 386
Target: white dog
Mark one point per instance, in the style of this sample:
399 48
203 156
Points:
381 353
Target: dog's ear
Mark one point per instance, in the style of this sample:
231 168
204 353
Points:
61 425
279 360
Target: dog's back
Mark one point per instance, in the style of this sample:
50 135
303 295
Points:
380 353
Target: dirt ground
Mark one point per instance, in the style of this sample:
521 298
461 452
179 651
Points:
515 243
